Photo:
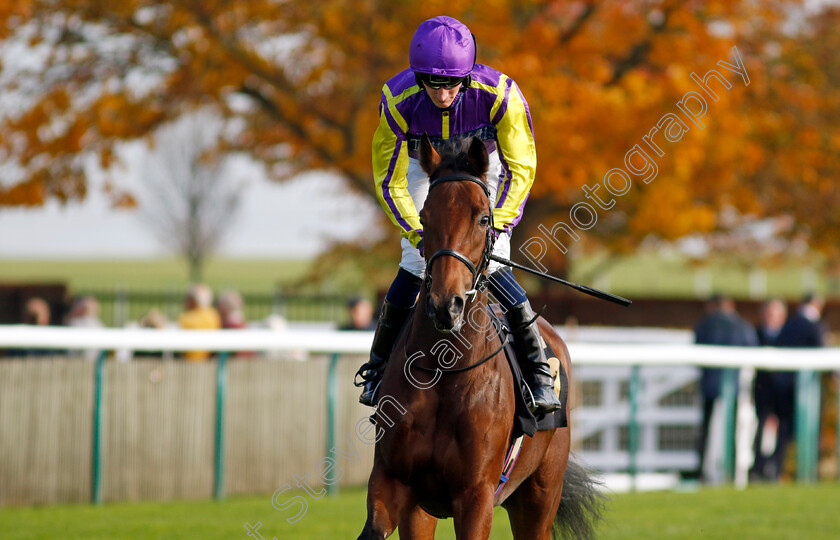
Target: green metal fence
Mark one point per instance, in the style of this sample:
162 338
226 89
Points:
119 306
73 430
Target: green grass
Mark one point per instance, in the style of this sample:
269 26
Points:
765 512
663 276
243 274
639 275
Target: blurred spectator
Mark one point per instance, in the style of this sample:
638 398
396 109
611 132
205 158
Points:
84 313
361 315
199 315
765 396
721 326
773 314
156 320
801 329
231 309
36 312
277 323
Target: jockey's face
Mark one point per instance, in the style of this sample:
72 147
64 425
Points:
442 97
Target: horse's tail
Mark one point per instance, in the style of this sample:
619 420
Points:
581 504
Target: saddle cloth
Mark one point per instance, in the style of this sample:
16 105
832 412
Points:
525 423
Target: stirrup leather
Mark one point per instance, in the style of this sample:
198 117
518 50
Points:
529 346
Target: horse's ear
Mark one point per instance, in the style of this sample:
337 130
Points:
478 157
429 158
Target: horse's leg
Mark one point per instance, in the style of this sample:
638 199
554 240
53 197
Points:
473 513
388 501
417 525
533 506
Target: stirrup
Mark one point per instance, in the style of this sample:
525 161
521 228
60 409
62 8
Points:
371 374
367 372
369 397
540 383
544 407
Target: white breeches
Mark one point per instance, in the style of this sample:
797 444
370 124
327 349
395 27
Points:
418 188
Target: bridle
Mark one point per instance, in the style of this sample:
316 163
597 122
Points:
479 282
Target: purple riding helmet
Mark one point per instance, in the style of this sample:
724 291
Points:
444 47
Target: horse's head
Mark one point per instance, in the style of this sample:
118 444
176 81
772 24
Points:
457 221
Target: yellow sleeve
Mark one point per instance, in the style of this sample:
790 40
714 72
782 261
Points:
518 153
390 164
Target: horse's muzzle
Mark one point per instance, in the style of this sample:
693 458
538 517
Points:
448 315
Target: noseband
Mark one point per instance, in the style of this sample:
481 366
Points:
479 278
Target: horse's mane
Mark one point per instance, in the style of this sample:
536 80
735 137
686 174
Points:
453 155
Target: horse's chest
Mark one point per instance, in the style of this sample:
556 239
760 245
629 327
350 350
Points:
430 446
410 447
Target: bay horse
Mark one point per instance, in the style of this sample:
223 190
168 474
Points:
445 417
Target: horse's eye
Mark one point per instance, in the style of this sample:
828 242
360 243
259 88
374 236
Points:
484 221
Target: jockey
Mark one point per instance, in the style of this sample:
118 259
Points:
446 94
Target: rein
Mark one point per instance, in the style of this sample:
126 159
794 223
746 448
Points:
463 369
456 370
479 282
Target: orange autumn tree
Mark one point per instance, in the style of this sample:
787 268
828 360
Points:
300 82
616 69
798 133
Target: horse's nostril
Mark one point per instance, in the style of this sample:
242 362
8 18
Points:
456 306
430 306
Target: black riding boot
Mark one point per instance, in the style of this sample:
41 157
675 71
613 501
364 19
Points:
391 319
535 368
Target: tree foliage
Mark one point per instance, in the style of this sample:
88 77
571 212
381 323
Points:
302 80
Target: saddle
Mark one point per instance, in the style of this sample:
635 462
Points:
524 422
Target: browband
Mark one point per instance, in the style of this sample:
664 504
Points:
460 177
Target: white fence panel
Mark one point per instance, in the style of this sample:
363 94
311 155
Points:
667 411
668 416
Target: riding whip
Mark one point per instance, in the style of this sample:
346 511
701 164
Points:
582 288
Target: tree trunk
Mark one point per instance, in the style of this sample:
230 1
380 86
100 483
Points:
196 268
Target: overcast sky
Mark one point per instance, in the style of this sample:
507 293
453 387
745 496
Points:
295 219
291 220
